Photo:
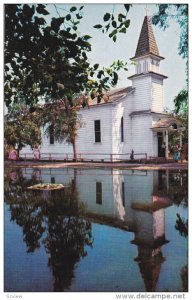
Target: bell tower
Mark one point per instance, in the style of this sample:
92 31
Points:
147 79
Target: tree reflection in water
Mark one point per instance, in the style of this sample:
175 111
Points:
53 220
179 195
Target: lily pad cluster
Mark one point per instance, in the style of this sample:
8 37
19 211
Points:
46 186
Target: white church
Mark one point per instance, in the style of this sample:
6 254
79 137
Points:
132 118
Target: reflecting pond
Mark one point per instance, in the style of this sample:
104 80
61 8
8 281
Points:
108 230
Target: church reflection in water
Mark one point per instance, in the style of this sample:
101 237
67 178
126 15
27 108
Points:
132 200
138 203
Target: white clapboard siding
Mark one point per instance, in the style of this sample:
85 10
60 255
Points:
57 147
142 135
86 184
157 96
86 134
142 94
122 109
139 188
57 150
85 142
117 113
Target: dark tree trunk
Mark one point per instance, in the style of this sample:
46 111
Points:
73 141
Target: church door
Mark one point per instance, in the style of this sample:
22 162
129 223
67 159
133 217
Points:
160 142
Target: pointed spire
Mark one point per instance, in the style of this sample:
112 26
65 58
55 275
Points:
147 43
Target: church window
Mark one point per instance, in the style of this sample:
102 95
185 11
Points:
52 179
144 66
138 68
51 135
97 131
98 192
122 130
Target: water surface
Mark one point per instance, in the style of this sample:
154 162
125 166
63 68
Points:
108 230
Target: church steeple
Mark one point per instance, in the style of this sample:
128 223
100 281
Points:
147 79
147 58
146 43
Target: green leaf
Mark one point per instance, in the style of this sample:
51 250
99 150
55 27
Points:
124 30
40 21
56 23
114 24
127 23
81 7
107 27
113 33
106 17
100 74
78 16
121 17
114 38
98 26
73 8
28 11
68 17
96 66
86 37
41 9
115 77
127 7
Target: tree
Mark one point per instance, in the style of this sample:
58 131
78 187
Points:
22 128
40 58
48 61
52 220
64 120
181 102
178 12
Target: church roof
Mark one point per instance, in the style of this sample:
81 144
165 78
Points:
167 122
111 96
146 43
145 111
148 73
108 98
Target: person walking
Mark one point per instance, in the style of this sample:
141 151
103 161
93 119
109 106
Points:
13 155
36 153
176 153
163 148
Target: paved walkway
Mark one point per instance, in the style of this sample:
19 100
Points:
39 164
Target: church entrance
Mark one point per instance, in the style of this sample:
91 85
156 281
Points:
161 153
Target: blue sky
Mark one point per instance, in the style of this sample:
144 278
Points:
105 51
